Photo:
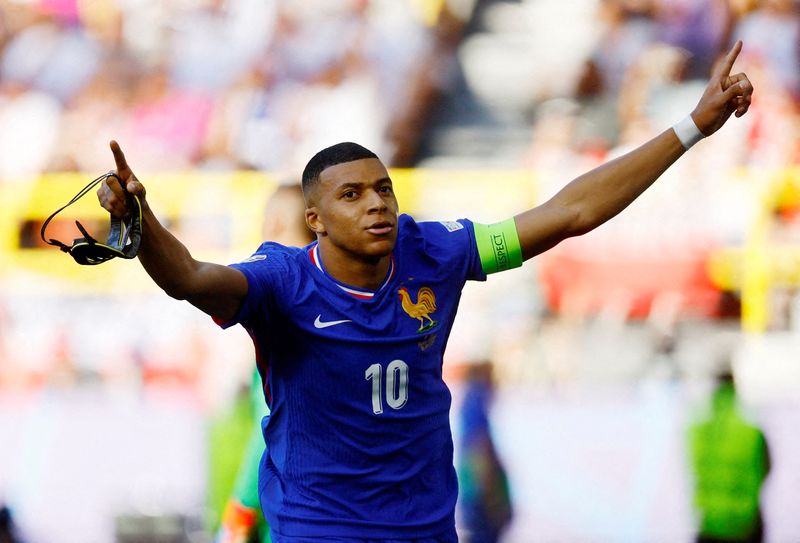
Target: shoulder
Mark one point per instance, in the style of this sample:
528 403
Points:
450 244
271 255
434 230
273 273
276 250
447 235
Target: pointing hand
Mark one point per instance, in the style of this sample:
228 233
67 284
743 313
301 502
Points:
724 95
111 195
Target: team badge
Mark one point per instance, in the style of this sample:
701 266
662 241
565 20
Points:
421 309
254 258
452 226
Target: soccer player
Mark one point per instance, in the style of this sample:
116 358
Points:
350 332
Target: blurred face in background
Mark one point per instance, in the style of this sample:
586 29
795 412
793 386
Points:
284 218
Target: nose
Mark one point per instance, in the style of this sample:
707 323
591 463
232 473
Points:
376 202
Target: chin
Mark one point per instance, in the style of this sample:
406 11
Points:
379 249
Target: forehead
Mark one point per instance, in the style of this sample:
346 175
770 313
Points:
363 171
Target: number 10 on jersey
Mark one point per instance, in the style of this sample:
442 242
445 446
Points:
396 385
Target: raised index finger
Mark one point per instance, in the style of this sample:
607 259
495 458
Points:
724 68
119 158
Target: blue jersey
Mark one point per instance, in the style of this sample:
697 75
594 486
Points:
358 437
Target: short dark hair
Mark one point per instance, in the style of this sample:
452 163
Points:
340 153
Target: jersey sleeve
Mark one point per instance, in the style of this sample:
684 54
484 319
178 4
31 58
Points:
263 270
453 242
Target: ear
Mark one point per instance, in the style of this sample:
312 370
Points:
313 220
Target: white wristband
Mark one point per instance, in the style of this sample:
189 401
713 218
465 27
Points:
688 132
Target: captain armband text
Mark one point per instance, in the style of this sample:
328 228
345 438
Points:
498 246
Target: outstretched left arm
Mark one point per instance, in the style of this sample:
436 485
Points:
595 197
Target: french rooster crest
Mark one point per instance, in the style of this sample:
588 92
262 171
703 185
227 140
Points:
421 309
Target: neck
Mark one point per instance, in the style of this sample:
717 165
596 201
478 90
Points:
360 271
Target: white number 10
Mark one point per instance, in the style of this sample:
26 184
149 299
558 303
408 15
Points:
396 385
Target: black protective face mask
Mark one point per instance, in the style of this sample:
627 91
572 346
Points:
124 236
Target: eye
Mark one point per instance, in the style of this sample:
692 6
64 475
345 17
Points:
349 195
386 189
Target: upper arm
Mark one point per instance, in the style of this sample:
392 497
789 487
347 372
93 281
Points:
217 290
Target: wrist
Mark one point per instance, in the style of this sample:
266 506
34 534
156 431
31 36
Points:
687 131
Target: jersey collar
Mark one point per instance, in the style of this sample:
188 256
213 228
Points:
313 254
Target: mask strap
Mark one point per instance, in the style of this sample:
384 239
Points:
123 239
81 194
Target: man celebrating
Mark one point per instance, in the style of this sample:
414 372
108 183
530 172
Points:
350 331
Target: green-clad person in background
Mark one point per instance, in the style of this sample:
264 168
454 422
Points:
730 459
239 515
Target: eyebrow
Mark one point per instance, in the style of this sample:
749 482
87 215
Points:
359 184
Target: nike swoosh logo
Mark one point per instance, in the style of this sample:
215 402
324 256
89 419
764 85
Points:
319 324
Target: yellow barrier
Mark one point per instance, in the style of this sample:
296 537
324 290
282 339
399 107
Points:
217 215
762 263
182 200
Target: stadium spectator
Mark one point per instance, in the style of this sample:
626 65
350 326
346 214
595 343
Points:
628 27
730 461
8 530
774 32
29 123
484 495
700 27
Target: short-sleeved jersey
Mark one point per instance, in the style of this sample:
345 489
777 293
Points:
358 437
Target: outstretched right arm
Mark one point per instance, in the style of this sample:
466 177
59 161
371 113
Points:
213 288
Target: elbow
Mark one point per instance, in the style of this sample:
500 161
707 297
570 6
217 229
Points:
581 228
584 219
580 221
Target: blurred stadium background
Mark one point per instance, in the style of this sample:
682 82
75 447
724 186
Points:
603 348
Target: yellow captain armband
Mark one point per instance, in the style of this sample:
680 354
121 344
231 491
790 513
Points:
498 246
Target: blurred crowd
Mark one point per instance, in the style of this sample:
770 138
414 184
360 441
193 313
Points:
263 84
650 62
215 84
644 65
